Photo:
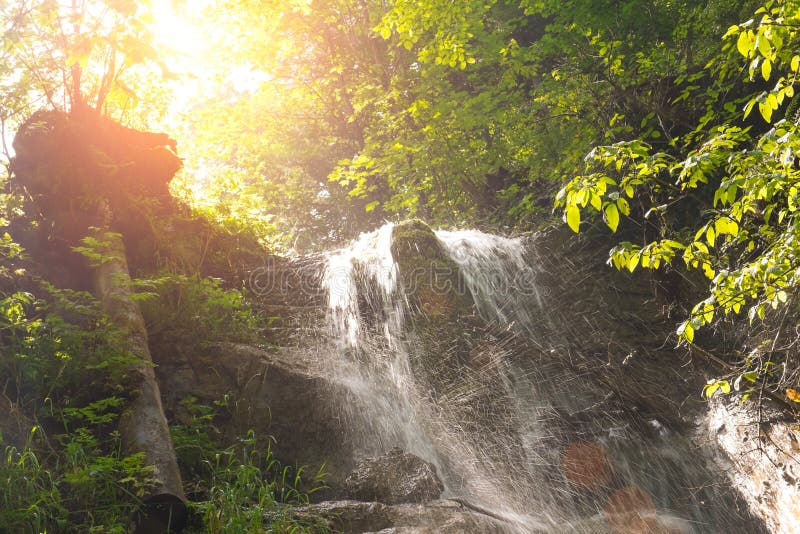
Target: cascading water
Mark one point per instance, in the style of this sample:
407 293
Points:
366 315
525 437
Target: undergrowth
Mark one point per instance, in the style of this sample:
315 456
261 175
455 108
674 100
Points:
240 487
65 370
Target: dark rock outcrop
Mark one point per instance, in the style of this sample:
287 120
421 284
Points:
394 478
85 154
278 394
80 170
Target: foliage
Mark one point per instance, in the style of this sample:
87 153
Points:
187 310
739 172
339 114
49 344
286 120
93 52
242 488
66 365
354 111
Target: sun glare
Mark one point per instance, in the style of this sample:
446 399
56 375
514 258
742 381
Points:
200 68
182 39
176 30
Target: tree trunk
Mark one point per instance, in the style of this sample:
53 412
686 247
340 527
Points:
143 426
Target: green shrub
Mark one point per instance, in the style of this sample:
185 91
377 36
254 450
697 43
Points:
242 487
187 310
66 368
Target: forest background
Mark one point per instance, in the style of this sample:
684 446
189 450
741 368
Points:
666 128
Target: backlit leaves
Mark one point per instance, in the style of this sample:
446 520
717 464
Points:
746 237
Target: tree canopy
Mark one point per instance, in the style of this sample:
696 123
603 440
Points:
311 120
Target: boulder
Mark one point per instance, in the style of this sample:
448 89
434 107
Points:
394 478
458 360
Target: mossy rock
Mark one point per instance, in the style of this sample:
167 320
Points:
451 347
433 283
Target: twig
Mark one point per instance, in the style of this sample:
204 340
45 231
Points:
728 367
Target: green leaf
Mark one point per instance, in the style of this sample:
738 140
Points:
766 69
710 235
766 111
763 46
612 216
732 30
686 331
623 206
573 217
725 225
749 107
633 261
743 44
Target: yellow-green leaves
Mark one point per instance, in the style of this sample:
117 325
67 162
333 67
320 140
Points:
766 69
745 42
652 256
612 216
714 385
686 332
603 194
726 226
442 34
767 105
572 216
764 46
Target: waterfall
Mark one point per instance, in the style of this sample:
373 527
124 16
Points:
370 259
510 425
366 310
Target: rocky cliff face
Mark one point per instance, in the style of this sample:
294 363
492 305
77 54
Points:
762 460
619 329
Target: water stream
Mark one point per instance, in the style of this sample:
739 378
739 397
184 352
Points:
515 430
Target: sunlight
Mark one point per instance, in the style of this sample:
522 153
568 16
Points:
182 38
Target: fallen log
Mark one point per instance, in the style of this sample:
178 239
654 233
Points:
143 426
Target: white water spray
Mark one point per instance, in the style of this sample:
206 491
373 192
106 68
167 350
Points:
525 476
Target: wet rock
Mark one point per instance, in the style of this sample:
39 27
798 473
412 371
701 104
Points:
437 517
394 478
454 353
